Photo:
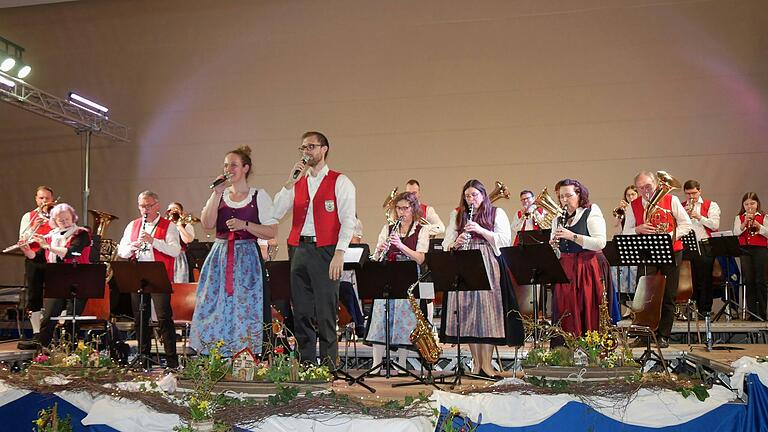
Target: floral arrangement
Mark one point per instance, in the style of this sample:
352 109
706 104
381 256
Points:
281 362
602 350
48 421
84 355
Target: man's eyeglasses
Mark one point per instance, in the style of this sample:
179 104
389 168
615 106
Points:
310 147
147 206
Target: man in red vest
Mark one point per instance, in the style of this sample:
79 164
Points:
436 225
705 218
153 238
678 224
35 220
323 203
528 217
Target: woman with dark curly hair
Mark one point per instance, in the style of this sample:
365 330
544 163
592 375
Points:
580 237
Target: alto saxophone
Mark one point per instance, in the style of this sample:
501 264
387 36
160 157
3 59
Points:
422 336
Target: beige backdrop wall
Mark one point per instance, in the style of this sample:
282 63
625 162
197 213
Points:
527 92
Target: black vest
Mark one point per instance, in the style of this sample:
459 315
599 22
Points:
567 246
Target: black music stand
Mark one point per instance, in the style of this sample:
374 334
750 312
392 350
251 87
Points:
537 264
690 244
728 246
386 281
279 280
74 281
149 277
644 250
456 271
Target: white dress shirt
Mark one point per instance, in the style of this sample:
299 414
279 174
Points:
502 232
712 221
25 220
526 224
595 224
678 212
345 201
436 225
169 245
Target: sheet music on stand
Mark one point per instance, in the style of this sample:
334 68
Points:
691 243
650 249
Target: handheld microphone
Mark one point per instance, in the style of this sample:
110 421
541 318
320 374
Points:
220 180
297 173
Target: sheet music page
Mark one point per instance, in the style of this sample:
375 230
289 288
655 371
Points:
353 255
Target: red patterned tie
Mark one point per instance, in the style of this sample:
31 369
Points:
229 281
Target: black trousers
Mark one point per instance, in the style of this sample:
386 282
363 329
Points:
164 320
672 272
753 264
52 307
315 299
701 270
34 276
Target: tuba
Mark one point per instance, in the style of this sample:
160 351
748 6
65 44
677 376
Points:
389 202
422 336
655 215
107 247
553 209
499 192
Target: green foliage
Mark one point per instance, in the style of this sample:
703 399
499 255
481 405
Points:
283 395
48 420
560 385
698 390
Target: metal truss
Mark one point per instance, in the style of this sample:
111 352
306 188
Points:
32 99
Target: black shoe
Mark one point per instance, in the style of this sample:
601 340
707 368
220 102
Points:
31 344
662 342
360 331
172 361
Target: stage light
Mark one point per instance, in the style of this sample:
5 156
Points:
11 55
24 71
6 82
86 104
7 64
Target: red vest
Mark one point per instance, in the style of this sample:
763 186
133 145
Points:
160 231
423 210
324 209
704 212
42 230
666 204
535 225
85 254
756 240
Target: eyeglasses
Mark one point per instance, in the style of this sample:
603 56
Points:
310 147
147 206
472 195
403 208
566 196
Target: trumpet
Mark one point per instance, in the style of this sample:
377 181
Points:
176 217
621 210
383 255
752 228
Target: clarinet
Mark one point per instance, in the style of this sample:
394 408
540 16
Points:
465 246
387 242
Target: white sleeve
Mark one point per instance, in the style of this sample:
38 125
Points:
450 231
190 229
124 247
170 245
283 202
629 221
596 226
502 231
684 225
712 221
737 226
422 244
24 224
345 200
266 208
436 226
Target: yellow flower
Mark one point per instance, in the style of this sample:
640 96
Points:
81 345
203 405
40 422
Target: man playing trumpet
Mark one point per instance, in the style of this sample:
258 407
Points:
35 222
673 219
705 218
